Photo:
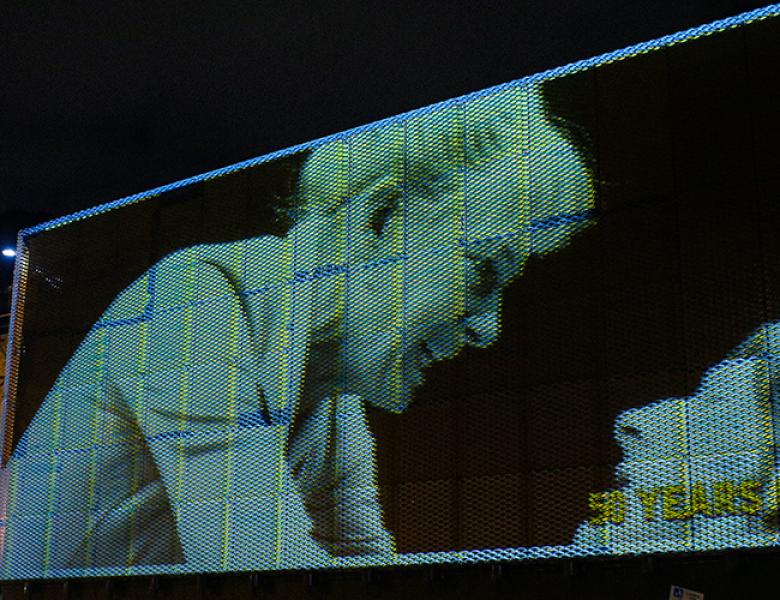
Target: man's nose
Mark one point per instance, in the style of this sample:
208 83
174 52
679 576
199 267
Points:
481 330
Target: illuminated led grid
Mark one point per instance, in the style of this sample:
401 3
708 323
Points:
231 408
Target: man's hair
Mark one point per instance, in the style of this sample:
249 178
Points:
459 135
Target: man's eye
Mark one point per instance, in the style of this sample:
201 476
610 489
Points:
380 216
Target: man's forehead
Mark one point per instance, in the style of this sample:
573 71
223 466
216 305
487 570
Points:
423 147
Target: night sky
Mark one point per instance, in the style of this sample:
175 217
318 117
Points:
102 100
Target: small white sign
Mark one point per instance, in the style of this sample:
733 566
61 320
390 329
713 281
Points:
680 593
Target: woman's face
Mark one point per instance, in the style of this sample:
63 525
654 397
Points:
724 432
428 262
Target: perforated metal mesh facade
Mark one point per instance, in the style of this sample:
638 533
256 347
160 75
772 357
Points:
539 321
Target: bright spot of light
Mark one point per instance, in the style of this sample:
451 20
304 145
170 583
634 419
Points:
9 252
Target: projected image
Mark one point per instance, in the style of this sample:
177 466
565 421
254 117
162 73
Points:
215 414
540 321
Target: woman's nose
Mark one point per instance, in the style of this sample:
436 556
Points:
481 330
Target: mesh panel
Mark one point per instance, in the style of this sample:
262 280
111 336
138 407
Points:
536 322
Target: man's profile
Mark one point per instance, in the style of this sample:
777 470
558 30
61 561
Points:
215 414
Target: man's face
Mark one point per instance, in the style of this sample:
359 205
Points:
424 287
428 262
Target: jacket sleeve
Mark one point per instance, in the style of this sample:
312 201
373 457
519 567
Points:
332 458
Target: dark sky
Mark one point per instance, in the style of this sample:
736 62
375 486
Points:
102 100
